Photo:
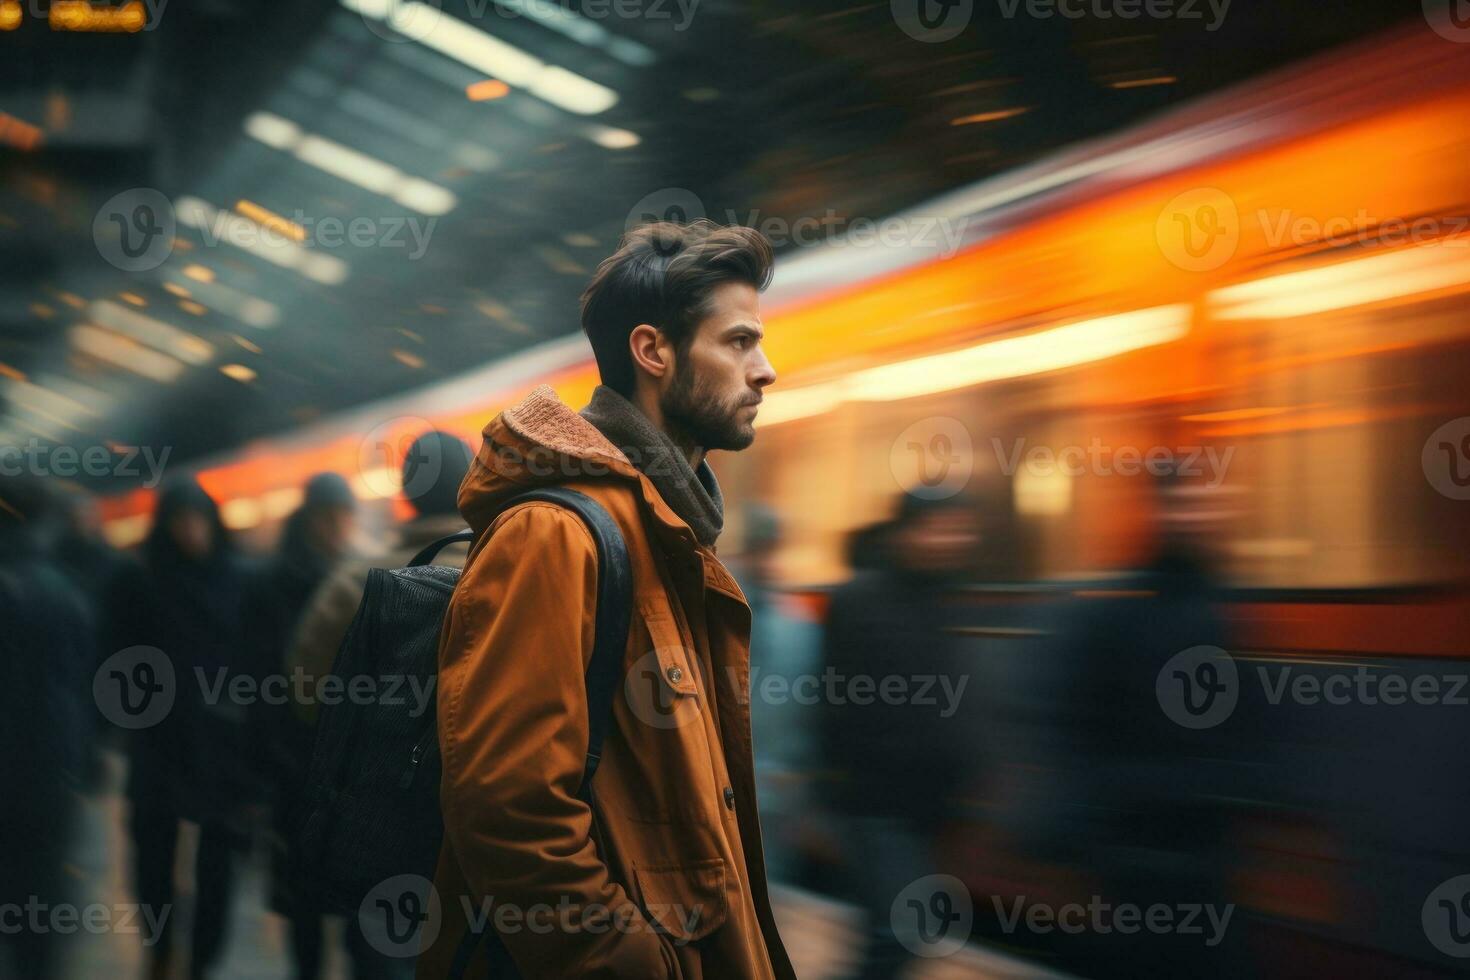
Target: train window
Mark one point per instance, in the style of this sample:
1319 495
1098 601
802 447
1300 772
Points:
1332 414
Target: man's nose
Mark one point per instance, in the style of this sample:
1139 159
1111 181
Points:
764 373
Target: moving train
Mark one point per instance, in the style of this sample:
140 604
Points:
1271 285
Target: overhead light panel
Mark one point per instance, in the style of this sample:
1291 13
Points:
484 52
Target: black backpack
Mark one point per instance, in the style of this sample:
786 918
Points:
372 788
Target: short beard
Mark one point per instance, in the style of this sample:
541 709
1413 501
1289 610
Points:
692 411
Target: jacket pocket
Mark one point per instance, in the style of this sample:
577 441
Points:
673 656
685 901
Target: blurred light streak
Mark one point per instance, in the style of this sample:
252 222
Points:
148 330
350 165
1145 82
267 218
239 372
985 117
53 405
483 52
19 133
1010 357
124 532
1395 275
612 138
589 33
12 12
223 226
279 503
376 483
241 513
125 353
250 310
487 91
1042 493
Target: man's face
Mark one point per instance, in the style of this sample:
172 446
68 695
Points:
717 383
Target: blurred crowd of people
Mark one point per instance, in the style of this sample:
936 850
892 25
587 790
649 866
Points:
190 604
862 793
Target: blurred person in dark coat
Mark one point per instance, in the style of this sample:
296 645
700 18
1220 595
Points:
1151 794
45 650
185 605
433 468
314 542
897 758
92 565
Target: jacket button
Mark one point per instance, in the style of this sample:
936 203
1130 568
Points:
675 675
729 798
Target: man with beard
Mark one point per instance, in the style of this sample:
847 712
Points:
658 871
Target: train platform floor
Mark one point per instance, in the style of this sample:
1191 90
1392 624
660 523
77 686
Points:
820 933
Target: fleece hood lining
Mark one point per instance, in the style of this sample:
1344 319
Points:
542 418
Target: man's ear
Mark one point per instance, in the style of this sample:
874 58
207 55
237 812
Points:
651 351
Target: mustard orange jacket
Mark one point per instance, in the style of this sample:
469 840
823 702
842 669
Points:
666 879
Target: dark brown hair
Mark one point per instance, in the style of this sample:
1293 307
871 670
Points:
662 274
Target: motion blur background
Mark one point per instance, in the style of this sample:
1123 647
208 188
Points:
1170 297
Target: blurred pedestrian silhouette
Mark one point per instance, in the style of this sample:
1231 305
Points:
46 646
785 662
185 602
1152 795
897 760
314 541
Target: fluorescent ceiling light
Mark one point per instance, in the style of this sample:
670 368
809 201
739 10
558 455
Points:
486 53
351 165
125 352
148 330
569 23
223 226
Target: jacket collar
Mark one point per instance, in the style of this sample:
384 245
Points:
543 419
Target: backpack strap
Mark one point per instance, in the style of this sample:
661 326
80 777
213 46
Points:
614 612
430 551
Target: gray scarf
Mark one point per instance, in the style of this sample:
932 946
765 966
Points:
692 493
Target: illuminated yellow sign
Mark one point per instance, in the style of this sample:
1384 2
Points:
80 15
